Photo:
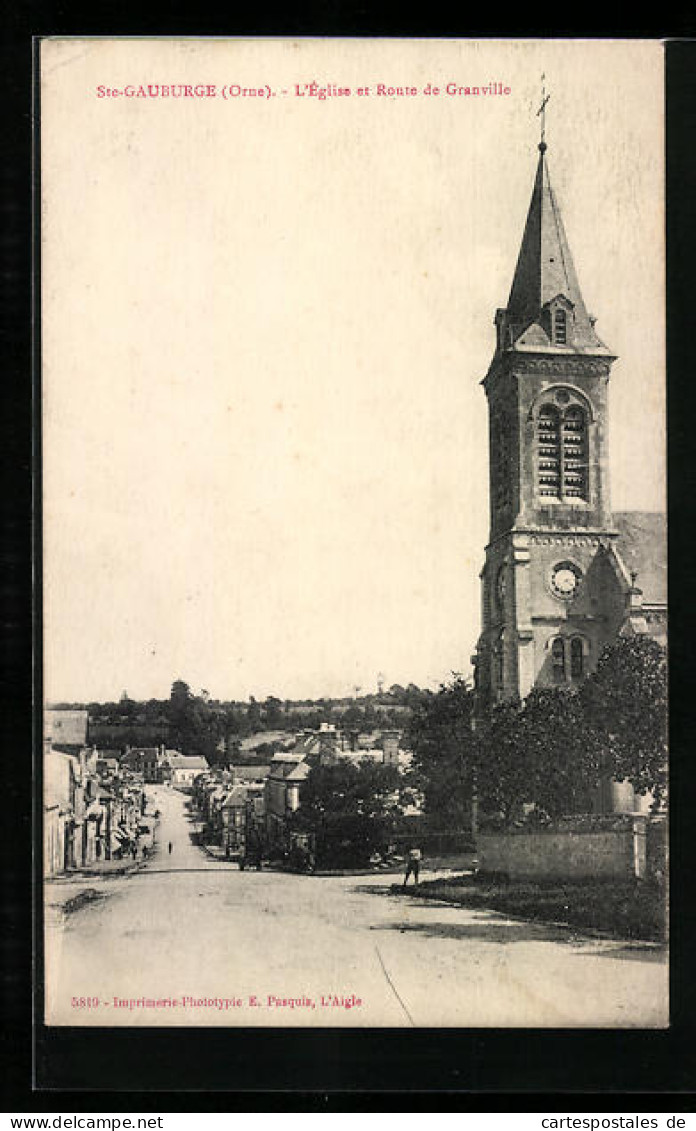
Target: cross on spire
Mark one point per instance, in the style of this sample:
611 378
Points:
542 111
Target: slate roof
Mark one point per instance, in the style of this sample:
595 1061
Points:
236 797
299 772
642 546
186 761
250 773
545 270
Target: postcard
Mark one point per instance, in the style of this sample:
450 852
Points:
353 472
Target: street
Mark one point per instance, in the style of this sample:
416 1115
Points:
189 940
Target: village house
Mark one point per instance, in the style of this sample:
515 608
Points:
243 774
289 770
66 728
236 811
91 809
182 769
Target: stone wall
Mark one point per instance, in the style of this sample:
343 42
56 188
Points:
573 853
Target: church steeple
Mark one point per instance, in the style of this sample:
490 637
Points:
547 387
545 608
546 311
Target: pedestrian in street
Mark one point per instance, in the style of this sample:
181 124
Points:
413 865
134 851
170 848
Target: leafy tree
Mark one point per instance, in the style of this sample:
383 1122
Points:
625 703
180 694
369 789
253 715
195 728
503 783
273 711
563 767
349 808
536 753
445 752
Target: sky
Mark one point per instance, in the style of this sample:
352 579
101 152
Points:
265 322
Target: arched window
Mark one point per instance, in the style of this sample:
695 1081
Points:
562 452
499 664
574 453
577 658
558 661
549 452
502 463
560 327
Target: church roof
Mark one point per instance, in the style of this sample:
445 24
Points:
642 546
545 271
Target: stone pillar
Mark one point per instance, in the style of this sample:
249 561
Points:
525 675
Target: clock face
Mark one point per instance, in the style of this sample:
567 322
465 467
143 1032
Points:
565 579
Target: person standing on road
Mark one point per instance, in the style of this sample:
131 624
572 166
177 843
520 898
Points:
413 865
170 848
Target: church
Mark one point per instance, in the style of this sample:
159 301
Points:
563 574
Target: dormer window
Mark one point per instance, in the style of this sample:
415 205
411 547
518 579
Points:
560 327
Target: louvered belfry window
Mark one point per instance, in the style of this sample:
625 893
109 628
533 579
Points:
574 453
562 453
549 448
560 325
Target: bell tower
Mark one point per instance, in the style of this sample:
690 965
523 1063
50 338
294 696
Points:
550 515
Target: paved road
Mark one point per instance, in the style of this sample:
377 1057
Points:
187 926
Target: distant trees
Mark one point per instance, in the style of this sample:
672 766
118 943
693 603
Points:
195 728
273 713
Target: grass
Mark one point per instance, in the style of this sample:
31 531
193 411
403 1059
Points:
626 909
79 900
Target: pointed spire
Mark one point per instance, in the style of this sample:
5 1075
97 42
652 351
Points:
545 272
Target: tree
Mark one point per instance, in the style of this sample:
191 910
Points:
445 752
625 703
348 808
503 783
253 716
273 712
536 753
180 694
195 727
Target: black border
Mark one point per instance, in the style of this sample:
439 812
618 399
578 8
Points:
317 1070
